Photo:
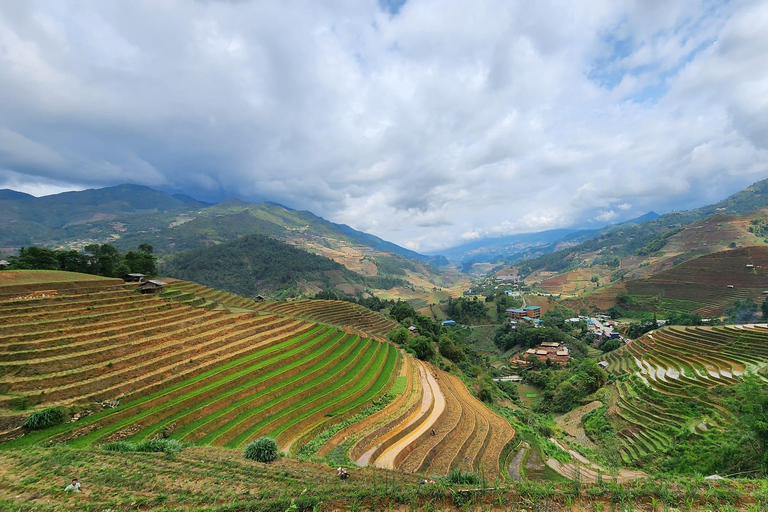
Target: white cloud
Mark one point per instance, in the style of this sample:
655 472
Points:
448 121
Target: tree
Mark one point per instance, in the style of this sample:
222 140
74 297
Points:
614 312
35 258
141 261
422 348
106 260
741 312
402 310
451 349
610 344
399 336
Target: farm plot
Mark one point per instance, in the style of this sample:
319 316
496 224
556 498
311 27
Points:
353 317
204 376
710 283
667 378
143 366
212 294
447 429
334 312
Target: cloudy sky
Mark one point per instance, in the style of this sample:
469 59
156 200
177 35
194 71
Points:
426 122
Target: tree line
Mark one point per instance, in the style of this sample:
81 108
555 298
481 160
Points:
102 260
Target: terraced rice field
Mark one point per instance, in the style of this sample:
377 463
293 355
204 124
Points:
203 376
702 284
211 294
352 317
145 366
334 312
442 428
678 365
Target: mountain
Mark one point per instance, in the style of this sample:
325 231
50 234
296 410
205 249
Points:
129 215
256 264
383 245
88 216
488 249
522 246
638 250
12 195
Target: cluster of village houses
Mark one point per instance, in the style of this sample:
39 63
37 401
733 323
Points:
552 351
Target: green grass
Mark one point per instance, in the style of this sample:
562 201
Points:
398 387
197 424
333 367
383 366
196 390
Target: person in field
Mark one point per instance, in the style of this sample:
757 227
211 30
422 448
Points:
73 487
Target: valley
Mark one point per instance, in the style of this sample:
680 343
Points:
368 357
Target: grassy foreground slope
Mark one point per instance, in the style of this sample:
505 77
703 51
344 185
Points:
213 479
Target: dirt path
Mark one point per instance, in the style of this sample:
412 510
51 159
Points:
428 381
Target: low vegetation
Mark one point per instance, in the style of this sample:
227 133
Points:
263 449
45 418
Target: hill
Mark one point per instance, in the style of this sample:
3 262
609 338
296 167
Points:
88 216
714 234
508 249
258 265
133 367
637 242
687 400
129 215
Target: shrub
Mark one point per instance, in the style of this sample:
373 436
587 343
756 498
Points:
457 476
264 449
44 419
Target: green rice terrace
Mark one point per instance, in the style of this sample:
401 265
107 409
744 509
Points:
209 368
333 312
677 381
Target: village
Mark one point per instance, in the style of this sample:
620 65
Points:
551 352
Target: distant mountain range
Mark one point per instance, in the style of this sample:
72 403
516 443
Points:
647 238
511 248
128 215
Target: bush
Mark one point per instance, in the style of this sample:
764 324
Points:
264 449
44 419
457 476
